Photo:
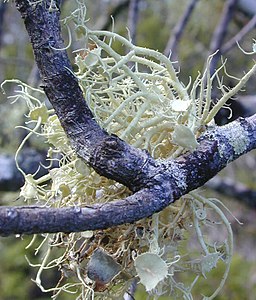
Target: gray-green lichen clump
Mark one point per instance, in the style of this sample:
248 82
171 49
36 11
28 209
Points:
139 97
237 138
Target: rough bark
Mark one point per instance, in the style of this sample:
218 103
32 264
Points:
156 183
165 182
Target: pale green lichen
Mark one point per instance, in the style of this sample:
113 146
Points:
150 108
237 137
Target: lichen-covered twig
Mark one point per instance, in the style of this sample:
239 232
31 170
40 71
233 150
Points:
156 183
100 114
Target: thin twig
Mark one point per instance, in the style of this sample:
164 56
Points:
133 17
220 33
233 189
155 184
129 295
105 21
3 6
178 30
239 36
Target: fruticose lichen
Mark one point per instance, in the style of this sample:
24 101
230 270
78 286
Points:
139 97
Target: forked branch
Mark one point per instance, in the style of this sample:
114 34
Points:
155 183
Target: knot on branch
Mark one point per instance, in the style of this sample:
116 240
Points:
117 160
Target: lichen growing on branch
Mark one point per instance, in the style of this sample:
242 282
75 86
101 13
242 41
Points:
135 94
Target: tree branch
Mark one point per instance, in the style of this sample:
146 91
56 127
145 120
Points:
105 21
248 7
172 44
2 12
166 182
237 190
133 16
233 42
156 183
29 161
220 33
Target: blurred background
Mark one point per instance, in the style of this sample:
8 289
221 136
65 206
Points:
186 30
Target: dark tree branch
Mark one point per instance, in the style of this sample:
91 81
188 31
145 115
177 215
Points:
178 30
94 145
220 33
156 183
105 22
165 182
248 7
129 295
133 17
29 161
2 12
234 189
10 178
238 37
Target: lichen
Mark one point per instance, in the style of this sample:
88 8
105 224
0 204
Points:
237 137
139 97
178 175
